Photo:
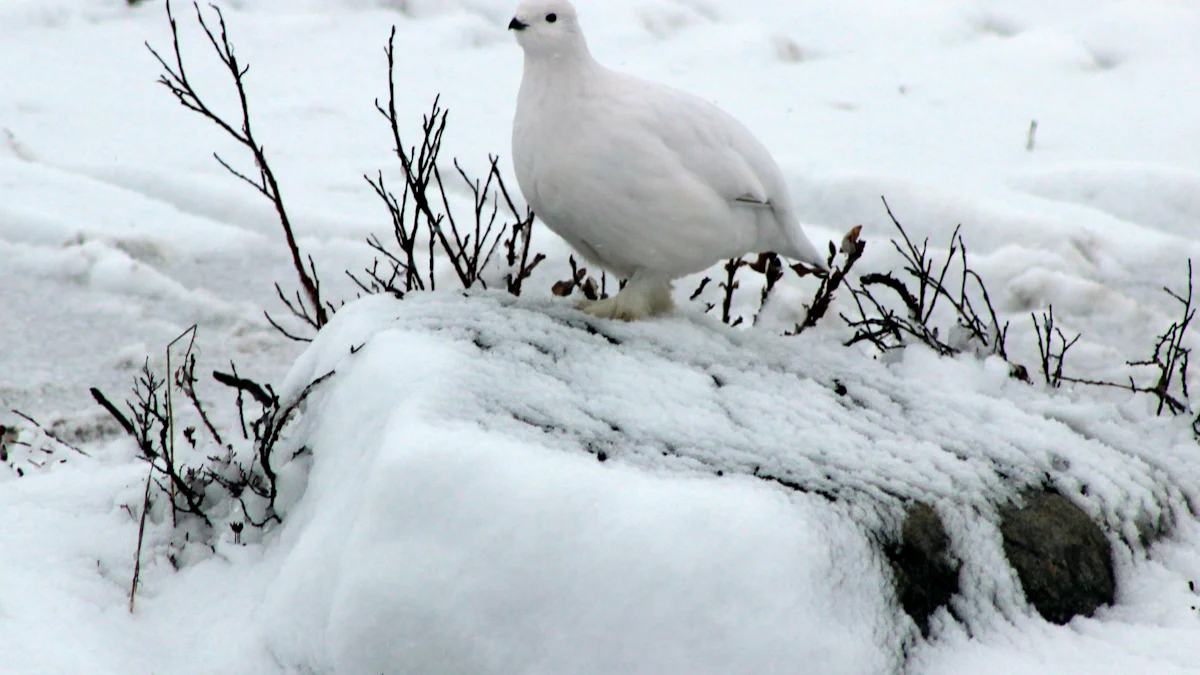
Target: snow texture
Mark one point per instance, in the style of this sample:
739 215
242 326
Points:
538 491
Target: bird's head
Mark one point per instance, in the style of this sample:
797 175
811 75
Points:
548 28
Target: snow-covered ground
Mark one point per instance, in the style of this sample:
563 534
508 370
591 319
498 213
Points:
437 531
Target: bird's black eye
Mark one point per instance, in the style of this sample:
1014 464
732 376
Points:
551 18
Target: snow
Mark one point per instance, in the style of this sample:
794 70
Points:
458 422
447 575
452 515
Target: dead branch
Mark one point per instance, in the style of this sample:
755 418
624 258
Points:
185 380
1052 358
579 281
137 556
886 328
851 250
267 430
175 79
1170 358
49 434
469 247
728 286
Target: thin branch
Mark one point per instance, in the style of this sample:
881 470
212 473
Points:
175 79
48 433
888 329
137 556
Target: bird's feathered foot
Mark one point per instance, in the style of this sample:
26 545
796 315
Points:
641 298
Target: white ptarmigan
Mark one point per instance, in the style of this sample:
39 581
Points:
646 181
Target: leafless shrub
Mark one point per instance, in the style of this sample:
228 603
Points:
431 222
48 433
308 307
851 250
265 431
925 284
728 285
771 266
151 423
1052 358
582 282
1170 358
150 418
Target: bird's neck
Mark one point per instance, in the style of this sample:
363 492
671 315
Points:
561 72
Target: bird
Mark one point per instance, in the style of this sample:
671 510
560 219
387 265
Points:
648 182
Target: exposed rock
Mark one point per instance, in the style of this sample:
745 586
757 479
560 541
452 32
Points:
926 574
1062 558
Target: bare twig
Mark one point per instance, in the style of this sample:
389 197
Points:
771 267
113 410
469 248
137 556
887 328
851 250
175 79
185 380
581 281
700 289
50 434
264 396
728 286
1170 358
1052 359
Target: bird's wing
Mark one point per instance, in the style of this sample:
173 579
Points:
712 145
724 155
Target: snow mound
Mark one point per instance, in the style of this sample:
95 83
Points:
1166 198
507 486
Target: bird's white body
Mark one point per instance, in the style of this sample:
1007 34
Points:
646 181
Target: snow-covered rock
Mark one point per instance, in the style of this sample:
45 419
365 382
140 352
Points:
508 486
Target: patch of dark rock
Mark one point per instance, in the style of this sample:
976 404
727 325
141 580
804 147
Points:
1063 559
926 573
592 330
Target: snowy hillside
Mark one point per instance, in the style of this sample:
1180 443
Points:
447 509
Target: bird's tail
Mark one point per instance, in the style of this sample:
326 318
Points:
801 247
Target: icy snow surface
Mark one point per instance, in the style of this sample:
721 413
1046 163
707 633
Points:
456 515
457 449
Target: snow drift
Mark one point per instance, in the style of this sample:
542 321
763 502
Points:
507 486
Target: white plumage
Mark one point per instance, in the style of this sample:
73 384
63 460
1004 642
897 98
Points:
646 181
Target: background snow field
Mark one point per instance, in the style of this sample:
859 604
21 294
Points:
453 515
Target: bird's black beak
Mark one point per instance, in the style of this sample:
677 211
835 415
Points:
517 25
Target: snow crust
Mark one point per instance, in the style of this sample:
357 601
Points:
453 512
459 517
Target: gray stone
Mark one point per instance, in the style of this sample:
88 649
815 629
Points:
1063 559
926 574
